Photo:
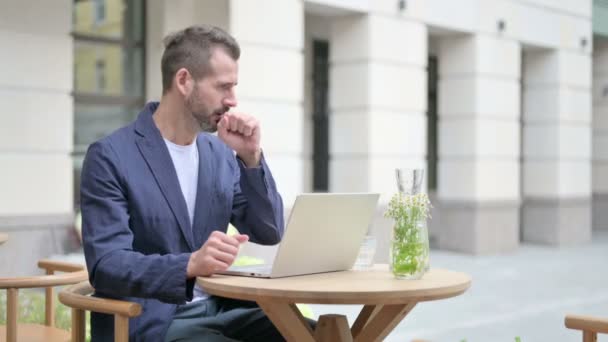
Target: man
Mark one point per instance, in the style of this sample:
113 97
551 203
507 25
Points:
157 197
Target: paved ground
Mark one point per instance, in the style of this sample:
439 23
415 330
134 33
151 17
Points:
525 294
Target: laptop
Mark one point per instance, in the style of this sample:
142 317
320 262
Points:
323 234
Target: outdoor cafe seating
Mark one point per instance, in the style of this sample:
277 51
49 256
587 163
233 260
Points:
11 332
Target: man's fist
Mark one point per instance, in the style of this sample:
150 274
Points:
241 132
216 254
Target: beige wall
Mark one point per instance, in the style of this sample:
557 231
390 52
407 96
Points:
378 100
35 85
36 132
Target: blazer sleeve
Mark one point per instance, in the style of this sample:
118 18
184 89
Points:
257 208
114 267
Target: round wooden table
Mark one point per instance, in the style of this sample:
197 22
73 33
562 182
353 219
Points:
386 300
3 238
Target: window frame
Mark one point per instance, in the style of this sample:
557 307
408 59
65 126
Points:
91 98
124 42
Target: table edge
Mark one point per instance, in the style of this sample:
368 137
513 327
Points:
354 297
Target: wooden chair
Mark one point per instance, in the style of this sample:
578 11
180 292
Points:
37 332
78 297
590 326
3 238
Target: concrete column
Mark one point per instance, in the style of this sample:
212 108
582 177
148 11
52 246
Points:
557 147
600 134
36 130
271 82
479 135
378 106
377 100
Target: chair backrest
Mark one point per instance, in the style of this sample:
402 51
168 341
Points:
79 298
74 273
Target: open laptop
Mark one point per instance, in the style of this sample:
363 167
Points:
323 234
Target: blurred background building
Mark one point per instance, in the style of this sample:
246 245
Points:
503 102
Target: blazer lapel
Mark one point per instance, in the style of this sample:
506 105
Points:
204 193
156 154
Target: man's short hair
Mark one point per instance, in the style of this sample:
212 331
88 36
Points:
191 48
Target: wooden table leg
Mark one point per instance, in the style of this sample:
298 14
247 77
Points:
383 320
374 323
365 316
288 320
331 328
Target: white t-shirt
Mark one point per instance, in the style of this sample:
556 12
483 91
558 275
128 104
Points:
185 160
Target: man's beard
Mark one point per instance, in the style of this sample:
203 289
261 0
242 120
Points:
202 115
204 122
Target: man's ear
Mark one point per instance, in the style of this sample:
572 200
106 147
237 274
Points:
183 82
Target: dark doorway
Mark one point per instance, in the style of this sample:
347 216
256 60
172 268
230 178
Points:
431 136
320 115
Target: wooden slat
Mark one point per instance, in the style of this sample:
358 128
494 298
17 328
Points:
49 307
121 328
384 322
49 303
78 325
288 320
78 296
332 328
12 312
587 323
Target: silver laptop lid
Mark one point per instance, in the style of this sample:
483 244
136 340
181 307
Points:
324 233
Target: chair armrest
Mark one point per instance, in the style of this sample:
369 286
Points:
60 266
587 323
78 296
43 281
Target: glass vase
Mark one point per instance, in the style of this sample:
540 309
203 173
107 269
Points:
409 208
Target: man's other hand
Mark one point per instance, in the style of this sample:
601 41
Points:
241 132
216 254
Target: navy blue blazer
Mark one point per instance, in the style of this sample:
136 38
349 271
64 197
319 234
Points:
136 230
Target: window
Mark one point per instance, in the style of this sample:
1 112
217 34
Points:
99 11
108 70
100 75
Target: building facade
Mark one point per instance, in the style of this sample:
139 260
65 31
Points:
503 102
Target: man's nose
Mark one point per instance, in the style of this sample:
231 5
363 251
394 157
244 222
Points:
230 101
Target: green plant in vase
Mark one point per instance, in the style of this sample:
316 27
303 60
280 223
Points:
410 243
